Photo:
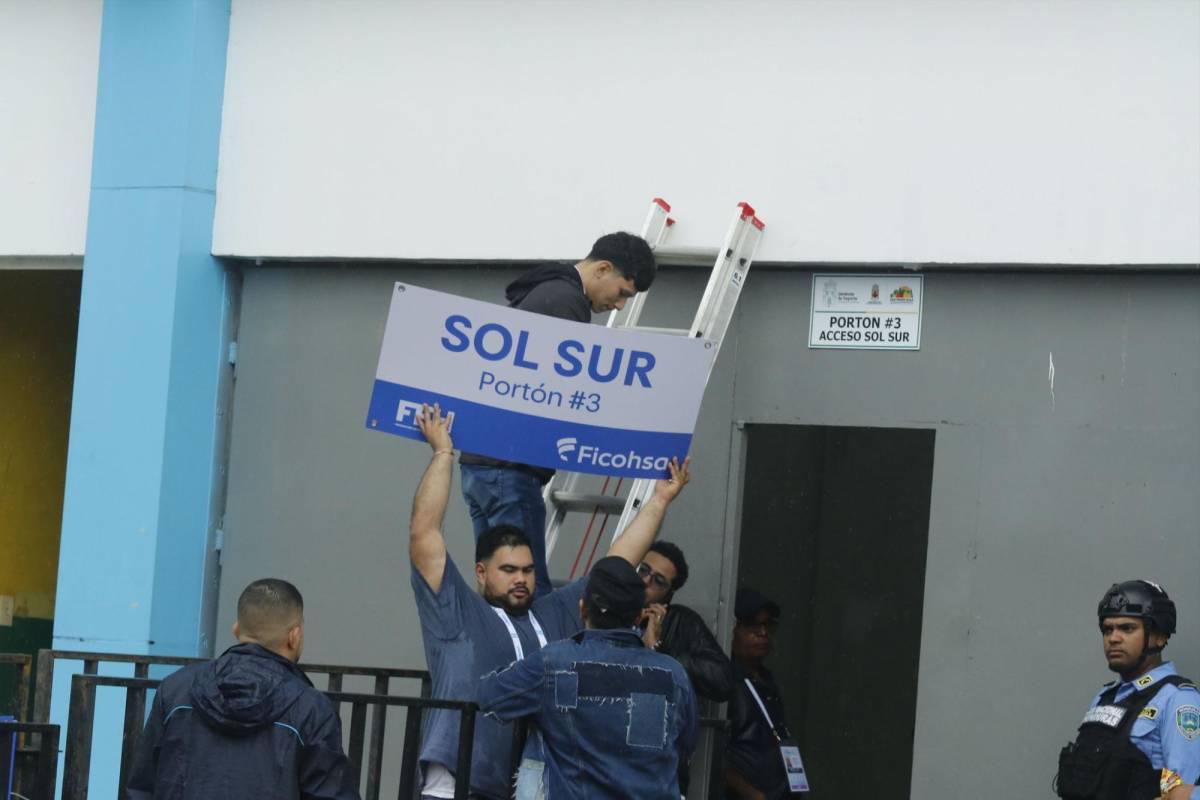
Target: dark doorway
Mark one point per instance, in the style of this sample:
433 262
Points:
835 525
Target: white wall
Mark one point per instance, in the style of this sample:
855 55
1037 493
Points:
928 130
49 59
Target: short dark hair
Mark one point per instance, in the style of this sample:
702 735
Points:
672 553
630 254
499 536
609 622
268 605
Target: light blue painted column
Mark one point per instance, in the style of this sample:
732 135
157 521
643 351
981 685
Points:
136 572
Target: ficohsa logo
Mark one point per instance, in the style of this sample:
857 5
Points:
566 447
571 452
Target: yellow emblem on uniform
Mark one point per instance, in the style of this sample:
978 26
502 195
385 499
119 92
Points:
1144 681
1149 712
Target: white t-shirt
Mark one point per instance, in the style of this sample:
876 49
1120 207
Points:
439 782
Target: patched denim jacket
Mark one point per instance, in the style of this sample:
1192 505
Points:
616 718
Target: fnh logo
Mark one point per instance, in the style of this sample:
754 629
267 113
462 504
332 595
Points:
407 411
572 452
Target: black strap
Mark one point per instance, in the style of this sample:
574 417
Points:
1134 703
1110 692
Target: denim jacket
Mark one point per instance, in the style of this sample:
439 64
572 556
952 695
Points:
616 718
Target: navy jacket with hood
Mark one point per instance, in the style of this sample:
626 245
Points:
248 724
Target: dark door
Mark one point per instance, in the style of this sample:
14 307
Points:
835 526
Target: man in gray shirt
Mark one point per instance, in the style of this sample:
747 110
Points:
470 631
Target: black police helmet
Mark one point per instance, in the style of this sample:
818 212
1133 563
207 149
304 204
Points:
1140 599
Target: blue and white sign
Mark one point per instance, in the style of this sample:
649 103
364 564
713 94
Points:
539 390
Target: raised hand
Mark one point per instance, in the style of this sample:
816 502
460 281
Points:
667 490
435 428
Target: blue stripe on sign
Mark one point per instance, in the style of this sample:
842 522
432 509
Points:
540 441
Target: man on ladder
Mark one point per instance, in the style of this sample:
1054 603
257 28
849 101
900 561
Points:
500 492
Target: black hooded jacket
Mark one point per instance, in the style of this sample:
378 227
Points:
248 724
555 290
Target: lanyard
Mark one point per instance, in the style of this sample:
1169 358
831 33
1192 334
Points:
792 764
761 707
512 631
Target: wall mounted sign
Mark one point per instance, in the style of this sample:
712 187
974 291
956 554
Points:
866 312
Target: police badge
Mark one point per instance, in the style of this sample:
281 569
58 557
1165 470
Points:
1187 720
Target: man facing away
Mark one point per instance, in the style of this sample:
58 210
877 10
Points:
248 725
617 718
498 492
469 631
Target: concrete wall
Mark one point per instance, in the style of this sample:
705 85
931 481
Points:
49 58
1043 493
864 130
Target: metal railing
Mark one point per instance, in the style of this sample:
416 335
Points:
142 665
20 698
34 770
81 721
719 730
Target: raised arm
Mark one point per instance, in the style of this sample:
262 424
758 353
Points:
634 543
426 545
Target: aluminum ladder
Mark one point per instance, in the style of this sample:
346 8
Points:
725 282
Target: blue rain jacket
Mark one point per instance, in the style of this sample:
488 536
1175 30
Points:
248 724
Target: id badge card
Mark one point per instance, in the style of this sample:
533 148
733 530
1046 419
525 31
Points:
797 777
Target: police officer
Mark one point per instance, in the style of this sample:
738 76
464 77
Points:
1141 738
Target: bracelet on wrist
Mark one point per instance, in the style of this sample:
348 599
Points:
443 452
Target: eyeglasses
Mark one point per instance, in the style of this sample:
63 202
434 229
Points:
657 578
764 628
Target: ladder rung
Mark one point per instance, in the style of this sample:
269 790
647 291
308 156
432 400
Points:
669 331
574 501
699 256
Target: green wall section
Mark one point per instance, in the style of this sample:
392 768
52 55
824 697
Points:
39 316
25 635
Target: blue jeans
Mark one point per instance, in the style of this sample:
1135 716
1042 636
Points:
502 496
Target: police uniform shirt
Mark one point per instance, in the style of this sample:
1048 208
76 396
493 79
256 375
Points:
1168 729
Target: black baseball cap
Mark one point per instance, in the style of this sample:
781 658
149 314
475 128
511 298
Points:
751 601
614 591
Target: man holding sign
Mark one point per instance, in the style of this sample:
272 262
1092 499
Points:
470 631
500 492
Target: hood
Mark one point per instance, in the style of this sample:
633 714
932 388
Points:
518 289
246 688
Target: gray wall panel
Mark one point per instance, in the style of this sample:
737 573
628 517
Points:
1037 503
